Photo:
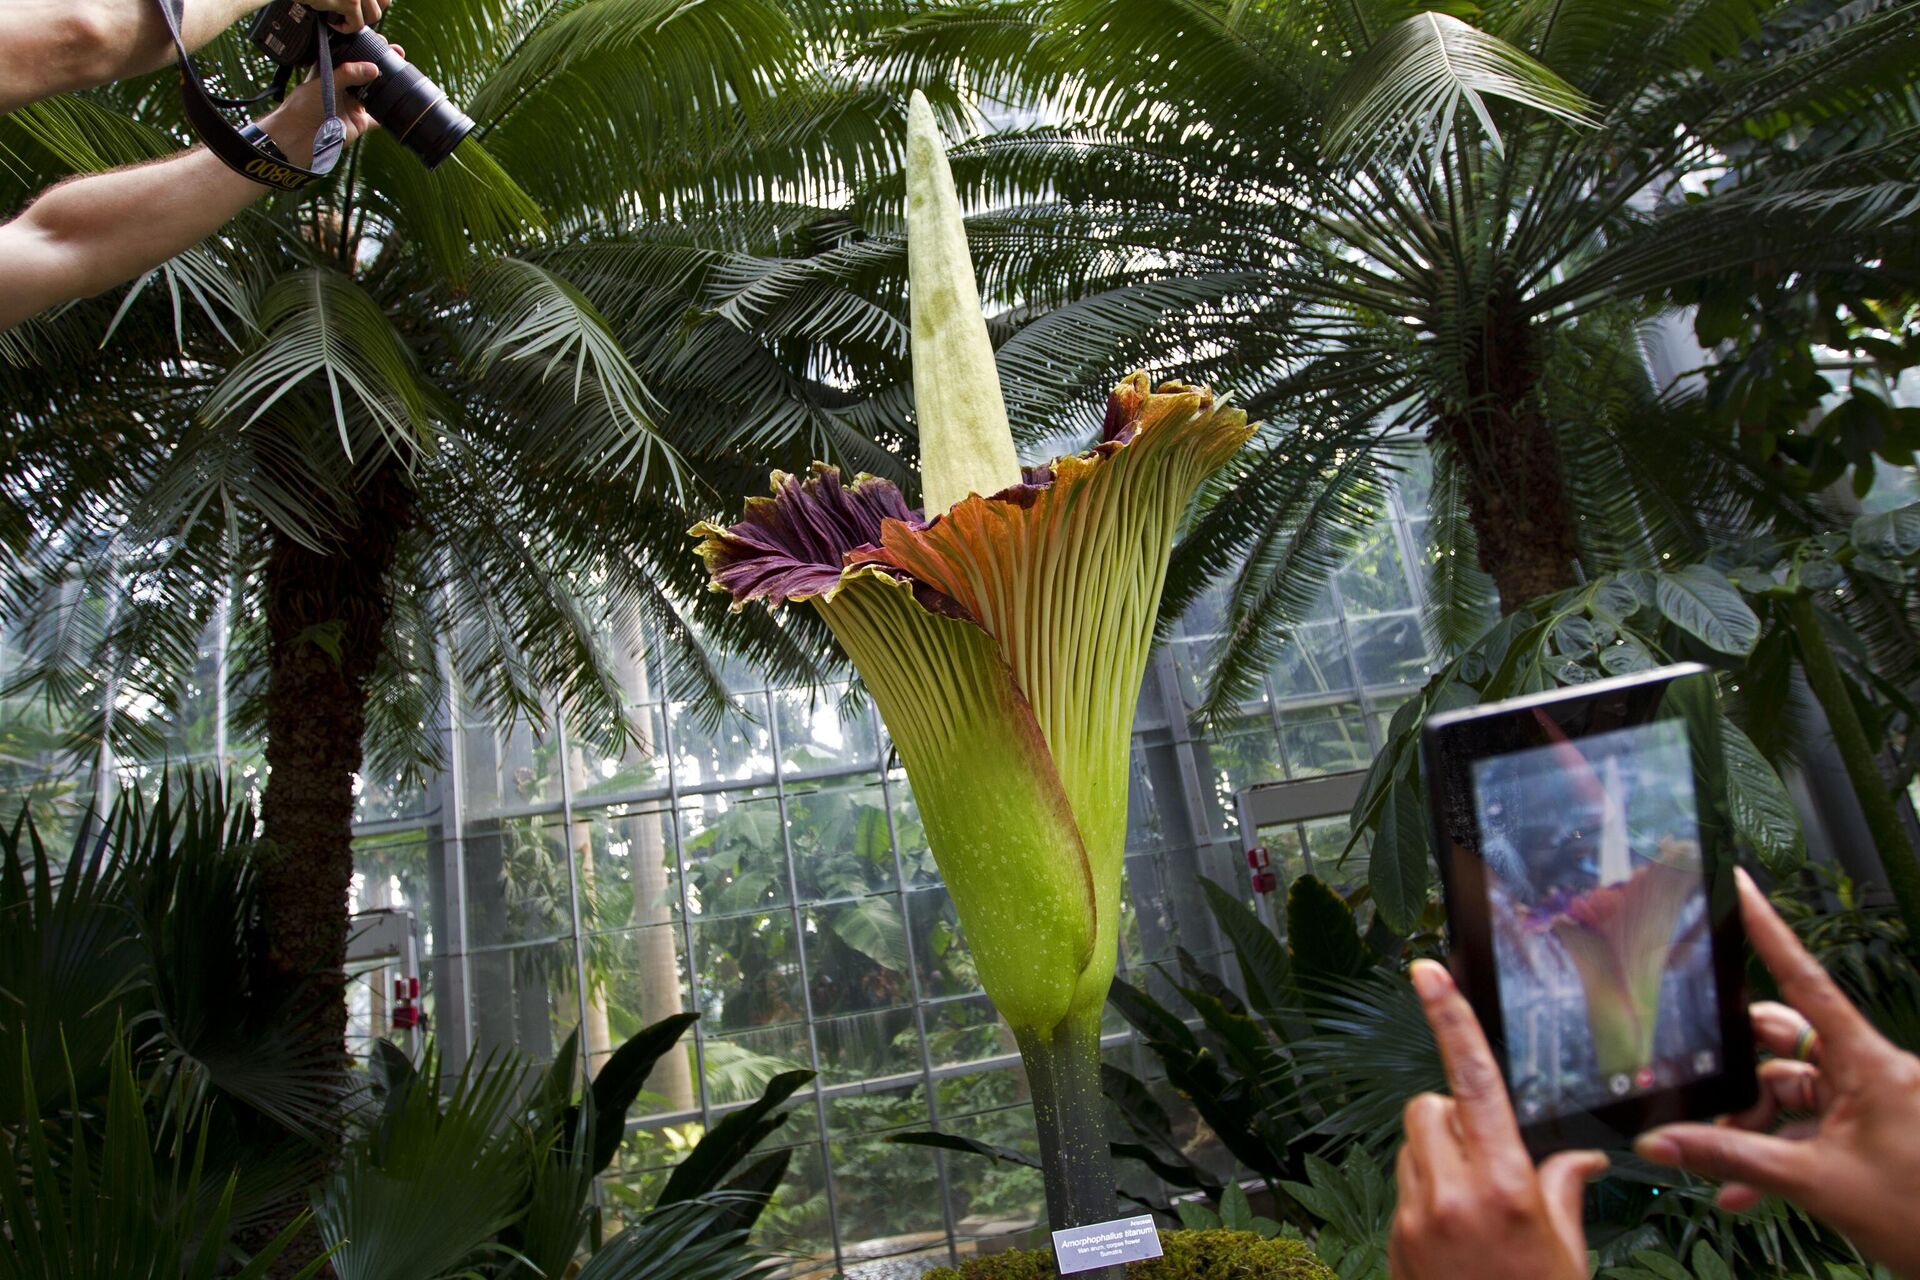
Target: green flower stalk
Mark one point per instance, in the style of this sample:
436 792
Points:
1004 635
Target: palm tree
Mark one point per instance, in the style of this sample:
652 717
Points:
1441 228
476 406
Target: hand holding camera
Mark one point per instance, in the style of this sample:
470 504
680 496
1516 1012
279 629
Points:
293 123
351 15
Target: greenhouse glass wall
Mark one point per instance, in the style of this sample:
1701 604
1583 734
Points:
772 875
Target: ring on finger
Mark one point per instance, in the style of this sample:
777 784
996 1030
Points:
1806 1047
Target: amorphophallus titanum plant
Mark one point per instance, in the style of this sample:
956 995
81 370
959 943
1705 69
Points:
1003 635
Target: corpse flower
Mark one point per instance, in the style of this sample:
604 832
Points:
1003 635
1619 937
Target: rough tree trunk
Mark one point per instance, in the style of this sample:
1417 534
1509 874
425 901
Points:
326 616
1515 488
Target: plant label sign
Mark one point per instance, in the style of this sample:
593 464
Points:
1106 1244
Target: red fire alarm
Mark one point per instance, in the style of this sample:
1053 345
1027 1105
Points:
1260 864
406 1004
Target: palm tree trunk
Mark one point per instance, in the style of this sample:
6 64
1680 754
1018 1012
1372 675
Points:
1515 486
326 616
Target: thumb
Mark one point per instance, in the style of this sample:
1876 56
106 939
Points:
1770 1164
1563 1182
351 75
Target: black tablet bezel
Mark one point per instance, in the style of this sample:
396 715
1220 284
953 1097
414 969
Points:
1450 742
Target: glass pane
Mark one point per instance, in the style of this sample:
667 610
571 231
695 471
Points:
524 1000
635 978
842 843
633 769
1375 581
1390 650
518 882
868 1046
888 1196
813 734
991 1198
1325 740
511 771
1314 661
748 972
739 1064
946 965
735 852
627 877
916 857
1240 758
739 749
857 956
966 1030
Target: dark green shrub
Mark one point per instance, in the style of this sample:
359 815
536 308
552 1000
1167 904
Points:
1190 1255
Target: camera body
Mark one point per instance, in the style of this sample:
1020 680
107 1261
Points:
412 108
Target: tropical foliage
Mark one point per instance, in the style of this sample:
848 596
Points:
404 410
1446 229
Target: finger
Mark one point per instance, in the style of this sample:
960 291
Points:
1775 1165
1783 1086
1486 1117
1408 1177
354 74
347 16
1738 1197
1807 987
1563 1181
1433 1141
1776 1028
370 11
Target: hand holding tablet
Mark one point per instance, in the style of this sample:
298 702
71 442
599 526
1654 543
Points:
1555 816
1587 856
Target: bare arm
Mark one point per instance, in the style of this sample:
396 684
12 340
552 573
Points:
53 46
93 232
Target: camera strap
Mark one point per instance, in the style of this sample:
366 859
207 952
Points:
235 148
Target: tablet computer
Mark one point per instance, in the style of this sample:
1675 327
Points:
1587 857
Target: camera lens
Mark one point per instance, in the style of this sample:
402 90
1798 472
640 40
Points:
415 110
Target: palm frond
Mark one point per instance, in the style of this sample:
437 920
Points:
1415 78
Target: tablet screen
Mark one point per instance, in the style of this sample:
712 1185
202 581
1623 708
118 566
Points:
1598 906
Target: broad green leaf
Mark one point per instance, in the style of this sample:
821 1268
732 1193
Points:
1616 598
1762 810
873 927
1262 957
1890 535
1574 636
1321 932
1235 1213
1397 871
1708 1264
1626 657
1703 603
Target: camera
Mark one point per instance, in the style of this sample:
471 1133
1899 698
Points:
413 109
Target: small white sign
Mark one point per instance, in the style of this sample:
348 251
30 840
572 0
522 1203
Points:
1106 1244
